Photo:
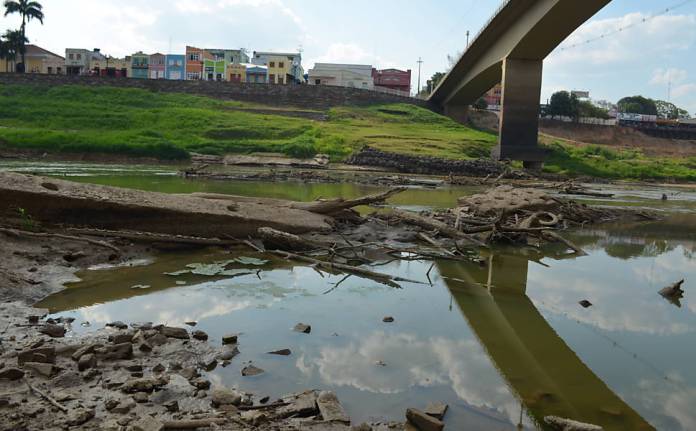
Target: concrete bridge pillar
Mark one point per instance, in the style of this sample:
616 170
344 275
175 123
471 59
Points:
519 115
459 113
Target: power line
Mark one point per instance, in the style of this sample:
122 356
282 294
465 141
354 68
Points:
644 20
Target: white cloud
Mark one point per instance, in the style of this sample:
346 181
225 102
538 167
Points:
351 53
667 76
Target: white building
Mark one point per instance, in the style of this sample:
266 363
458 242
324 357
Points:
342 75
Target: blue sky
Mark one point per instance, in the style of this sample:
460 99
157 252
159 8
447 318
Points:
386 33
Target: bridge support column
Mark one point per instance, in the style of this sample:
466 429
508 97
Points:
519 115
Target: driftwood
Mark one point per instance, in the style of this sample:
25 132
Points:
553 236
20 233
442 228
192 424
562 424
333 206
155 237
387 279
263 407
46 397
286 241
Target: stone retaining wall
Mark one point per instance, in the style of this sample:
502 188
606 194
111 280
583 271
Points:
305 96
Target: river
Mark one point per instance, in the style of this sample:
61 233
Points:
504 344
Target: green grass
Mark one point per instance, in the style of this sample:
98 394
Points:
135 122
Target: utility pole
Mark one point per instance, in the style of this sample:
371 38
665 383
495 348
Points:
420 62
669 89
467 39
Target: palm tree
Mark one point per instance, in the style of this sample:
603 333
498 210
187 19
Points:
28 10
12 43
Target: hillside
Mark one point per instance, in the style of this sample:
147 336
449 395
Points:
169 126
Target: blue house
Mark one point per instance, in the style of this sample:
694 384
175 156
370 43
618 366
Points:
175 67
257 74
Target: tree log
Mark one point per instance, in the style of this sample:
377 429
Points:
286 241
18 233
332 206
420 221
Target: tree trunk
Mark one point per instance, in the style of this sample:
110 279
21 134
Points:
24 46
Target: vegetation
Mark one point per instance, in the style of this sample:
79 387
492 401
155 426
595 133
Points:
637 105
670 111
565 104
28 10
12 44
170 126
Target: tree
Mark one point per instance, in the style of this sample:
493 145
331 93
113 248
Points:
481 104
28 10
587 109
432 83
670 111
637 105
11 45
561 104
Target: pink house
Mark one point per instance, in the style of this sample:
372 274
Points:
158 66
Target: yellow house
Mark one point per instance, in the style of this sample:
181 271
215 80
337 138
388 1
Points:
279 70
236 72
38 60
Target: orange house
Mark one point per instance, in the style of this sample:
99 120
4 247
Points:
194 62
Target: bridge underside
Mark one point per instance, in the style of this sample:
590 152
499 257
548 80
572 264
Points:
510 51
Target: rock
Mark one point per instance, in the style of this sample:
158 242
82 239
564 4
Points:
42 354
199 335
569 425
251 370
141 397
110 404
436 410
73 256
39 368
301 405
85 350
208 363
585 303
223 396
177 388
87 361
80 416
423 422
134 368
361 427
189 373
201 383
144 347
171 406
508 199
388 319
116 352
159 368
124 406
255 418
147 423
143 384
53 331
228 354
121 338
172 332
191 323
117 325
302 328
330 409
282 352
229 339
157 340
11 374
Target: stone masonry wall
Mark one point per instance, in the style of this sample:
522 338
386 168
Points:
303 96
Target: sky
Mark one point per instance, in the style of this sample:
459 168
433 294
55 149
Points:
648 59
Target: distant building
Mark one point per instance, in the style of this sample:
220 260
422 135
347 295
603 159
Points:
236 72
393 79
194 63
580 94
79 61
494 97
256 74
214 69
140 65
38 60
102 65
231 56
342 75
157 66
286 67
175 67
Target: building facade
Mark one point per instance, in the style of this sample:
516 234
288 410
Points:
256 74
342 75
109 66
291 70
175 67
231 56
38 60
78 61
236 72
157 66
140 65
494 97
214 69
393 79
194 63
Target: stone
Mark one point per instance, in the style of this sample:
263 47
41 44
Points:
116 351
301 405
223 396
330 409
191 323
124 406
281 352
199 335
87 361
171 406
147 423
134 368
110 404
118 325
388 319
228 354
229 339
251 370
255 418
585 303
141 397
172 332
157 340
208 363
436 410
11 374
423 422
84 350
302 328
189 373
78 417
201 383
121 338
159 368
144 384
40 368
42 354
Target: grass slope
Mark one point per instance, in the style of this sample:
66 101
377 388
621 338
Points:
169 126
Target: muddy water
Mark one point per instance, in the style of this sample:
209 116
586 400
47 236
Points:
503 343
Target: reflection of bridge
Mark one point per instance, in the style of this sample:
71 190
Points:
511 49
540 368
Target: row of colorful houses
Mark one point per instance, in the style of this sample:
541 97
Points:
211 64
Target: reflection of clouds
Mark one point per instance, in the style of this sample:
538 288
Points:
674 404
414 362
624 292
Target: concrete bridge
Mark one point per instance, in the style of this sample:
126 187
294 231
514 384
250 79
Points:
510 50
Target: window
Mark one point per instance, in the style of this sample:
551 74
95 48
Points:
271 64
50 70
317 82
271 78
195 56
193 76
281 80
71 56
79 56
281 65
59 70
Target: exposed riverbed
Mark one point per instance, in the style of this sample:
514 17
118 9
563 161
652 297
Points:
499 343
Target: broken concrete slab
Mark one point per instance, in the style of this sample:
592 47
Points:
423 422
331 409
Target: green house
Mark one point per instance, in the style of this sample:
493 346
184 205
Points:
214 70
